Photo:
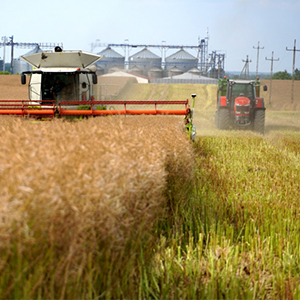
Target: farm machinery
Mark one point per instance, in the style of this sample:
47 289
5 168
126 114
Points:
61 84
239 105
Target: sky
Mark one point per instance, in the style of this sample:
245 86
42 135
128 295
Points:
233 27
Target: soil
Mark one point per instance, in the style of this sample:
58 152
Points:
12 89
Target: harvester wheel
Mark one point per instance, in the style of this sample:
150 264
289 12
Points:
259 121
223 119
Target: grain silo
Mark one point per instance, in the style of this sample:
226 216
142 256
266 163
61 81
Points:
111 59
144 60
155 72
99 70
181 60
195 71
136 70
174 72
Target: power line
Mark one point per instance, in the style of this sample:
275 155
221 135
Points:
272 60
258 48
293 76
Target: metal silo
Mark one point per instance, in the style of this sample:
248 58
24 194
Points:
174 71
136 70
144 60
155 72
111 59
195 71
20 66
181 60
99 70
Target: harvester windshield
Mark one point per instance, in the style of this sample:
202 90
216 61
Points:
51 85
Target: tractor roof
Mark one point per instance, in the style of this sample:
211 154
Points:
63 59
240 81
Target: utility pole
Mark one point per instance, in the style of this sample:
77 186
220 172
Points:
12 53
246 68
4 39
293 76
272 60
258 48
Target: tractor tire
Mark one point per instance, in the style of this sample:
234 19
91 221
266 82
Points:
259 121
223 119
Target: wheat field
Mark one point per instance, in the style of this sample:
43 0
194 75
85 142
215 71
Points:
128 208
81 189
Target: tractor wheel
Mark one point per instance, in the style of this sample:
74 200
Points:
259 121
223 119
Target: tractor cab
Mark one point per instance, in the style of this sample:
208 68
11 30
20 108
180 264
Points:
240 89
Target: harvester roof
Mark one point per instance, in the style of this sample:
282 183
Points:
64 59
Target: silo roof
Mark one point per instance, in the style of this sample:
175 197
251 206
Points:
145 53
181 54
108 52
37 49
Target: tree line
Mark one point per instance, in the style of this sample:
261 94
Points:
284 75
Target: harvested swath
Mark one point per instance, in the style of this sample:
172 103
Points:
80 189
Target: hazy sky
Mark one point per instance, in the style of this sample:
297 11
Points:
234 26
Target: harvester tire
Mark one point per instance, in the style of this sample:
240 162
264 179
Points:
223 119
259 121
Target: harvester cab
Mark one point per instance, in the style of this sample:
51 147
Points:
239 105
61 75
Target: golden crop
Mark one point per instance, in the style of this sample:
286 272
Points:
72 186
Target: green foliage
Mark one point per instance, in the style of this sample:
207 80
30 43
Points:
282 75
5 73
243 242
286 76
297 74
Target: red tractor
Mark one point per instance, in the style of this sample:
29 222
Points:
239 105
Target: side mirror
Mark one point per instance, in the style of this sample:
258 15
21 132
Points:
265 88
23 79
95 78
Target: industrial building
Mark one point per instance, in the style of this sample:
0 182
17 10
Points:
179 63
144 62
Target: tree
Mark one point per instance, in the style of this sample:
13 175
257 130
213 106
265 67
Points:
297 74
282 75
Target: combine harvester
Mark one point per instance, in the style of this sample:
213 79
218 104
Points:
61 84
